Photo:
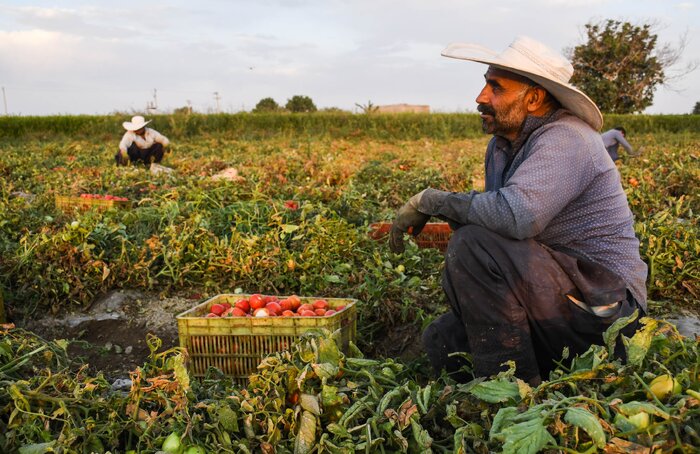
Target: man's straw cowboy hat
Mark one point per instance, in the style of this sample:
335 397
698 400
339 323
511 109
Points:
137 122
534 60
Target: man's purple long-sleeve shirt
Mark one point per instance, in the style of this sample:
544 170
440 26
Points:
560 188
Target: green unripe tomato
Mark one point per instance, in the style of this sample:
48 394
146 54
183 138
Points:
172 444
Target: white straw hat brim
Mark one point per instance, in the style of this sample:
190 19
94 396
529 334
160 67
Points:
129 126
527 65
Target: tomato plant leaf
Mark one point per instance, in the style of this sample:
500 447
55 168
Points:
634 407
328 351
587 421
528 437
37 448
639 344
610 335
504 415
496 391
289 228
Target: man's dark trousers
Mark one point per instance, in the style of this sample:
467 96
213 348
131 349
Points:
145 156
509 302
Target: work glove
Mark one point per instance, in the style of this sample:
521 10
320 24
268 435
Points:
413 216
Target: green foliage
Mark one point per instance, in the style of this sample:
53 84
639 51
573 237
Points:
266 105
315 398
696 109
618 66
246 126
299 103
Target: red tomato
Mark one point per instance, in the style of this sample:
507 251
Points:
286 305
211 315
226 305
273 307
295 301
288 313
217 309
236 312
256 301
320 304
228 312
270 298
320 312
339 308
307 313
305 307
330 312
243 305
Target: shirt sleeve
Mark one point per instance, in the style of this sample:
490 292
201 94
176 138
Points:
125 143
621 140
160 138
556 171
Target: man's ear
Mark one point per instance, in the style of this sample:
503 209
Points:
536 98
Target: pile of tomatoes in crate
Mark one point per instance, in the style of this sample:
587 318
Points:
104 197
258 305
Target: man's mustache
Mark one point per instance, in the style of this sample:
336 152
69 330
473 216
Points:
484 109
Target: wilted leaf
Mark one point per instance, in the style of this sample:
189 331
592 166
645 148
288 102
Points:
328 351
325 370
634 407
641 341
504 415
38 448
289 228
528 437
310 403
610 335
588 422
329 396
496 391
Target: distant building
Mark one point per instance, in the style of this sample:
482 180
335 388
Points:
403 108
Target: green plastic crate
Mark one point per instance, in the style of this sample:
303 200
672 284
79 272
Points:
236 345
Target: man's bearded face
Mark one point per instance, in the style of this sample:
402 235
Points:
502 104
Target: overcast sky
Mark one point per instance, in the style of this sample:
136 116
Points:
96 57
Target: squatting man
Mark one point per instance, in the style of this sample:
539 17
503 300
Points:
141 144
545 258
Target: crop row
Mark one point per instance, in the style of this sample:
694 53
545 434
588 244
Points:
331 125
297 223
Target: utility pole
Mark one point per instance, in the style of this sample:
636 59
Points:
4 100
218 98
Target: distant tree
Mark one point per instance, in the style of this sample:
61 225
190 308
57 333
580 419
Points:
620 66
266 105
696 109
300 103
367 108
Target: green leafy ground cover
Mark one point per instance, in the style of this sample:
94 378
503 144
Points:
186 231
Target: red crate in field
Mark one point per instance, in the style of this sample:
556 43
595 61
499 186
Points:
434 234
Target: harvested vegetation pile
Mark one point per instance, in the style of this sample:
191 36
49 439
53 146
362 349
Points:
313 398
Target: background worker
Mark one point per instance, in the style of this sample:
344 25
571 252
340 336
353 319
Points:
546 258
140 144
612 140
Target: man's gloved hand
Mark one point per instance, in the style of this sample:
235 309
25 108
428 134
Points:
414 215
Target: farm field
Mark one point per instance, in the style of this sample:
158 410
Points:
296 221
